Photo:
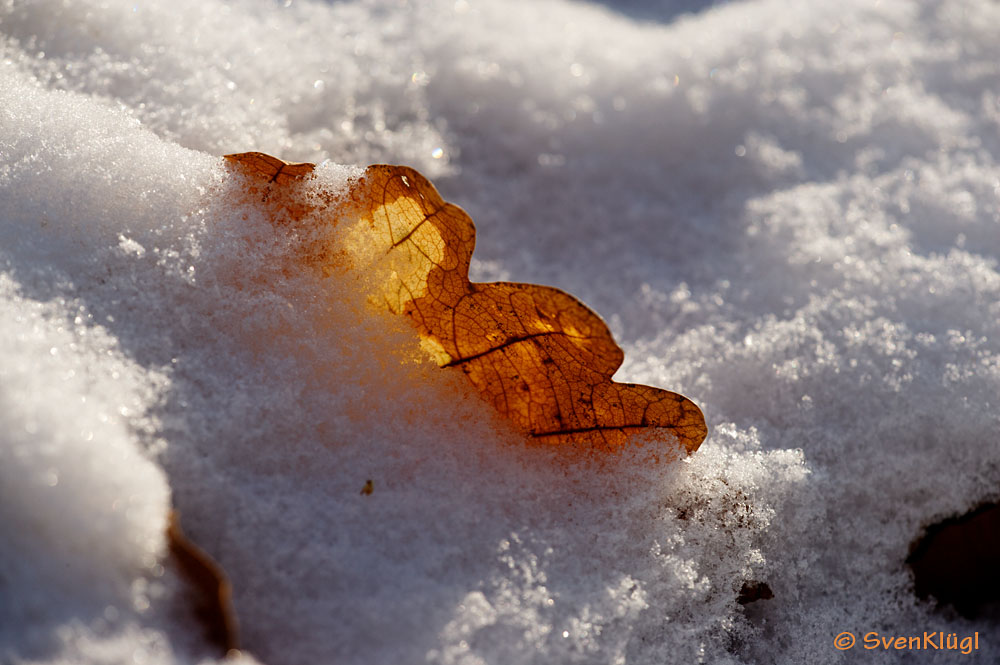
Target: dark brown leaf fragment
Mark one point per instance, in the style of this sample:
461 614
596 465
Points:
957 562
213 593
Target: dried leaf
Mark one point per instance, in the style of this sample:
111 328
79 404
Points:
955 561
271 168
537 354
213 604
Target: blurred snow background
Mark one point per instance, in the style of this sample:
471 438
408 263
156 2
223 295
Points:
786 211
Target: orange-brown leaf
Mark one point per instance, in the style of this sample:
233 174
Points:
537 354
270 168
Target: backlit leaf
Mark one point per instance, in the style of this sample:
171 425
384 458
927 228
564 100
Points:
537 354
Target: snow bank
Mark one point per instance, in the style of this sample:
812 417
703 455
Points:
788 213
77 499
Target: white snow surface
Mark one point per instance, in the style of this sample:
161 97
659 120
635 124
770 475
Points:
789 212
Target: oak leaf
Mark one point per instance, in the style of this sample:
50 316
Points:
537 354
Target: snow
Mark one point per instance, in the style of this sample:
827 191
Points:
789 212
